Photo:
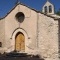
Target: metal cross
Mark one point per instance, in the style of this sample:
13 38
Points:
47 0
17 1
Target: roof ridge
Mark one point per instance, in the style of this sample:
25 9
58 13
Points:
26 6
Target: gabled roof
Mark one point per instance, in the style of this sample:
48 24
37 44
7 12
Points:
48 2
29 8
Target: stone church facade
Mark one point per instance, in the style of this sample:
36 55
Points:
29 31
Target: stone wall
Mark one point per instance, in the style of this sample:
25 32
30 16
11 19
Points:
2 34
48 37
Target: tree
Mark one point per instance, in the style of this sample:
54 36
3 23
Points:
58 12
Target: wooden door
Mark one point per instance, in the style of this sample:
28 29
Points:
20 42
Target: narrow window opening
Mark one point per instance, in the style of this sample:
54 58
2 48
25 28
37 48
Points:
50 9
45 8
0 44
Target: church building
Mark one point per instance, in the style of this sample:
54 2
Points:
27 30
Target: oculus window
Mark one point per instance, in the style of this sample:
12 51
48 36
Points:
20 17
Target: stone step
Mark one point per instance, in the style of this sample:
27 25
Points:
23 58
19 56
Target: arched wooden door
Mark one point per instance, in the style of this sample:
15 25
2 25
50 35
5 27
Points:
20 42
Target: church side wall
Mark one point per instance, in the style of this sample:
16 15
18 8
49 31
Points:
48 37
2 35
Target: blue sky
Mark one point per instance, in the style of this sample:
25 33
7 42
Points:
7 5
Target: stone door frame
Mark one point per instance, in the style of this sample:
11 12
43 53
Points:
13 38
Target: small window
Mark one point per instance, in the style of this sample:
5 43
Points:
45 8
50 9
0 44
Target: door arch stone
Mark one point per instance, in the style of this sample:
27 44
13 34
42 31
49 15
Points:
14 37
